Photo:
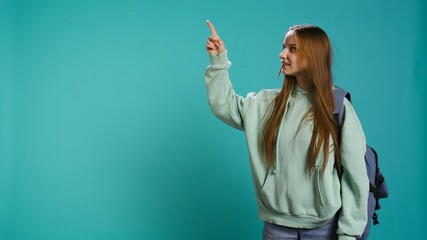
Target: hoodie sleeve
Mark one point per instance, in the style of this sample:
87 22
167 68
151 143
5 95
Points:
355 182
224 102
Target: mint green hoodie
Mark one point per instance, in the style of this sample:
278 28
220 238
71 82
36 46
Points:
286 194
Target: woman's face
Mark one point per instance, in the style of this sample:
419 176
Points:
291 64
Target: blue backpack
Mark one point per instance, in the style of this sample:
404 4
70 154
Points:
378 187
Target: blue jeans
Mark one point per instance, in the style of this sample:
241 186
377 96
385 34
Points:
278 232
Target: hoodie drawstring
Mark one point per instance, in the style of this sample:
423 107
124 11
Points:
276 169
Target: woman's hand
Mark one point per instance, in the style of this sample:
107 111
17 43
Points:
214 44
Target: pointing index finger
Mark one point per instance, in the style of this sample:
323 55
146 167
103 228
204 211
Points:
210 25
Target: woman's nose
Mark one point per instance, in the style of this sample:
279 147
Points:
283 54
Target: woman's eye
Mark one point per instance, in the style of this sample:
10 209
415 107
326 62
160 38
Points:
293 49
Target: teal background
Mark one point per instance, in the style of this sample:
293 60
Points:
105 130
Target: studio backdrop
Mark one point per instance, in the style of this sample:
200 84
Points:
106 133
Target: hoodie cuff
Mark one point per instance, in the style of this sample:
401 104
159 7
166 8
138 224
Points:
219 60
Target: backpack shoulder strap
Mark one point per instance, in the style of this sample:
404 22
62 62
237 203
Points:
339 95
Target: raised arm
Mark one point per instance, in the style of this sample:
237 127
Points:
224 102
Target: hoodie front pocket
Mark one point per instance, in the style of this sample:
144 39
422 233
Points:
268 191
294 194
267 179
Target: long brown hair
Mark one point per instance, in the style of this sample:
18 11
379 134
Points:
315 52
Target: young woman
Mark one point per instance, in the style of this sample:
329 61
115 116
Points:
293 141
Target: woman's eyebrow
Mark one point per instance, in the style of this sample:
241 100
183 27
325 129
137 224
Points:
290 45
